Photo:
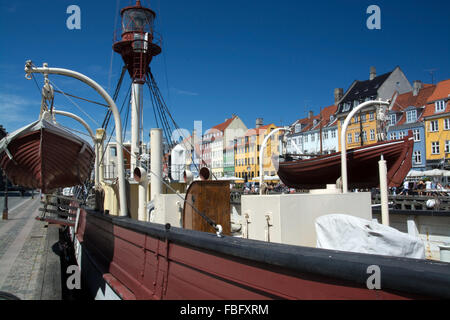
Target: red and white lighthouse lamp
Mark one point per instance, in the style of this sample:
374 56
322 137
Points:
137 48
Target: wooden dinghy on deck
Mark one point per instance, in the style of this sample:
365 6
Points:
362 165
43 155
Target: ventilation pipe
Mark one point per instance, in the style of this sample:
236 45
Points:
156 162
140 176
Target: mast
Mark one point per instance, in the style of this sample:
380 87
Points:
320 131
135 45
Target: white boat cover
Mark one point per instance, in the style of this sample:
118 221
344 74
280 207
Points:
348 233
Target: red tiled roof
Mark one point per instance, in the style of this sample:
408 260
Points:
254 131
441 91
325 114
406 100
224 125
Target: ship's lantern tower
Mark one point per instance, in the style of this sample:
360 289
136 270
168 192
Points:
135 43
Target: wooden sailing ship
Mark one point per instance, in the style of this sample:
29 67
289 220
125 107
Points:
362 165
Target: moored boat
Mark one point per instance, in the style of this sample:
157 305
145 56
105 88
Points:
362 164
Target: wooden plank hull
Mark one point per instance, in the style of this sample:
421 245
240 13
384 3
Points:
362 166
47 159
141 260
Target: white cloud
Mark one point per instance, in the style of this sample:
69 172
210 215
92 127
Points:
16 110
184 92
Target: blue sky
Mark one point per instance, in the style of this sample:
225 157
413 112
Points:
269 59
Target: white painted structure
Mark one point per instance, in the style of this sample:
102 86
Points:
290 219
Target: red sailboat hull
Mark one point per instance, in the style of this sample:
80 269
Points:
362 166
46 157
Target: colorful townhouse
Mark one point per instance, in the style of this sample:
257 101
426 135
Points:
216 140
247 147
314 135
363 127
406 115
437 127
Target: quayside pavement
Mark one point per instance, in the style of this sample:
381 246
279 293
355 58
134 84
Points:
29 260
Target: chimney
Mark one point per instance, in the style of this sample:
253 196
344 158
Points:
338 94
259 122
373 73
310 114
417 85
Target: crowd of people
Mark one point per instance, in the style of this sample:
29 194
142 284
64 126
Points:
423 187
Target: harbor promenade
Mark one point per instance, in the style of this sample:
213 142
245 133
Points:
29 254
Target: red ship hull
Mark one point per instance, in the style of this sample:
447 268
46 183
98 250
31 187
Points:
46 157
362 166
140 260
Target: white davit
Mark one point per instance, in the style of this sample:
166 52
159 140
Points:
348 233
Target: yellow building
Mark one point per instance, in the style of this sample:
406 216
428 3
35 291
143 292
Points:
363 128
361 131
437 127
247 152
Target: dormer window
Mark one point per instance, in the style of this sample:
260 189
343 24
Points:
439 105
331 118
315 122
411 116
297 128
346 106
392 119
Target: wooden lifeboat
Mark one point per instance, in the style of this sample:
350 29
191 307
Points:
362 166
43 155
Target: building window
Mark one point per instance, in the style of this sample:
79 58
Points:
113 152
306 138
313 137
392 136
349 138
447 146
439 105
372 134
434 126
346 106
417 157
392 119
364 135
435 148
401 135
355 119
416 133
371 116
447 124
363 118
325 135
411 116
333 133
356 136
